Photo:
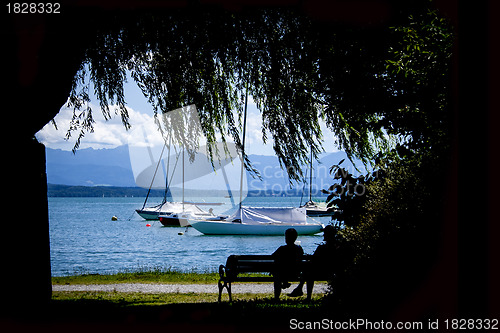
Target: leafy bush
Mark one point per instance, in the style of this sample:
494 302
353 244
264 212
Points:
392 228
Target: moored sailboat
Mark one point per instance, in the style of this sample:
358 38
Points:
200 175
259 221
312 208
168 211
180 216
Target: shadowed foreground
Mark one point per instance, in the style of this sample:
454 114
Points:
127 312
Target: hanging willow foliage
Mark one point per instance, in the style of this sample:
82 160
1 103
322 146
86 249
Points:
297 70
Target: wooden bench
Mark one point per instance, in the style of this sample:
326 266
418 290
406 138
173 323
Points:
237 264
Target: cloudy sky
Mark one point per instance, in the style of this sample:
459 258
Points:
112 133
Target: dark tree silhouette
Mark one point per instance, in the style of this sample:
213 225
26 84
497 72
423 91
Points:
370 76
371 85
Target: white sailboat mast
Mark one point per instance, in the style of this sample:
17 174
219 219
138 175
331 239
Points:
243 147
183 148
311 175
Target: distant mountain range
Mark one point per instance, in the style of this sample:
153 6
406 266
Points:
112 167
90 167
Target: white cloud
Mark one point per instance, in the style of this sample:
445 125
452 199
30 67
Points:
254 143
107 134
144 132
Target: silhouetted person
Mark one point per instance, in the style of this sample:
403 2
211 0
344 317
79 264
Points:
287 259
324 262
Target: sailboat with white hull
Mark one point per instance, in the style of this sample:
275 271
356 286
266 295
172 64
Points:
269 221
198 174
257 220
169 212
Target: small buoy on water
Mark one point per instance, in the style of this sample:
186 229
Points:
148 225
114 218
180 233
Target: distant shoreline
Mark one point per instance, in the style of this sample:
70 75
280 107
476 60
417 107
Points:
72 191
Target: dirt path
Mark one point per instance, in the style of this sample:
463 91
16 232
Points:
237 288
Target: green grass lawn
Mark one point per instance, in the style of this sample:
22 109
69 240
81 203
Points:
191 311
141 299
138 298
156 275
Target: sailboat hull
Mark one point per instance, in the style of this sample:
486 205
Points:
169 221
170 209
314 210
233 228
148 214
318 212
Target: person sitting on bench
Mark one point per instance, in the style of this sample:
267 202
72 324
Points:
324 262
287 260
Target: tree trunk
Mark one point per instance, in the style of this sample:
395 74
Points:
26 274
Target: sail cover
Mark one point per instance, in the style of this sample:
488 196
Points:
177 207
253 215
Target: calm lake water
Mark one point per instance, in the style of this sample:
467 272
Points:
83 239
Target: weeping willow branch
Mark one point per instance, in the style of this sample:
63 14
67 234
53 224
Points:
297 70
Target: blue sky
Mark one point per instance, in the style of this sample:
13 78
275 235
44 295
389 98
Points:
110 134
